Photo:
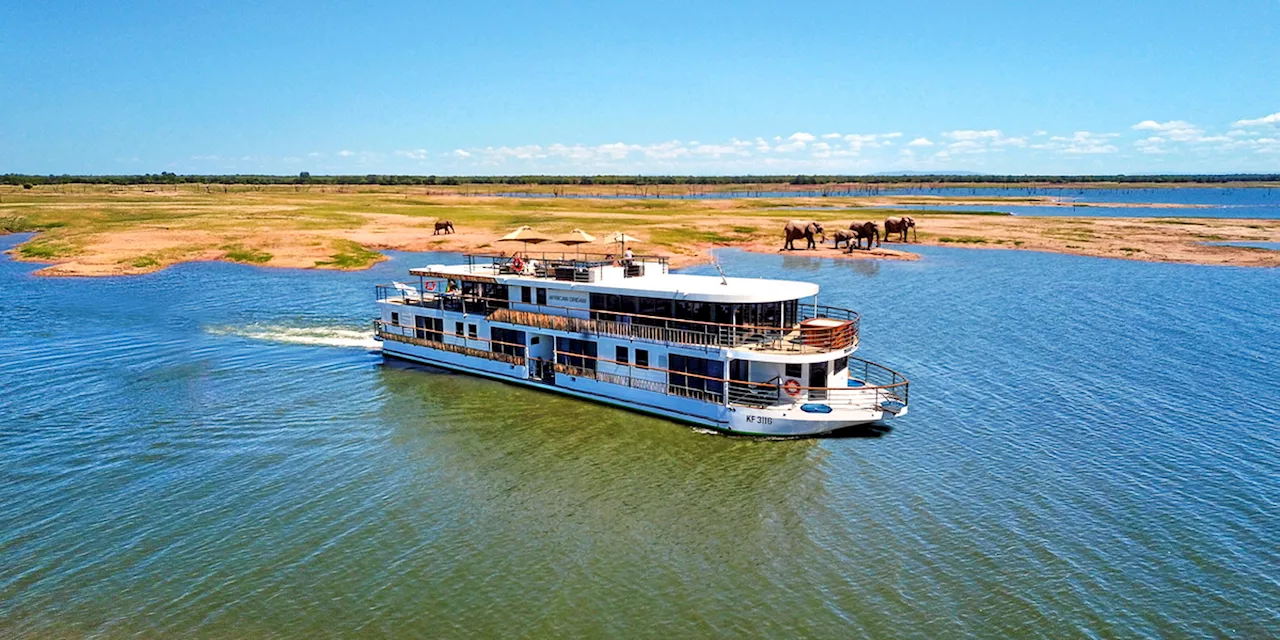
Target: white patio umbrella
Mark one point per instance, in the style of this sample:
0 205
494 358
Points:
622 239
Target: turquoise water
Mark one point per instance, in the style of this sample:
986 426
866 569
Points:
215 451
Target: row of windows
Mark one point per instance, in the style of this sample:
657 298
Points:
642 356
607 306
794 370
527 295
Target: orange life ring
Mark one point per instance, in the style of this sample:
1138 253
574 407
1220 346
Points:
792 388
517 263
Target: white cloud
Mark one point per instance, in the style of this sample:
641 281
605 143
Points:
964 135
1176 130
1081 143
976 141
415 154
461 153
1273 119
798 140
920 142
831 136
346 153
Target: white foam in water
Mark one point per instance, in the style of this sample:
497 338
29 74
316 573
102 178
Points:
320 336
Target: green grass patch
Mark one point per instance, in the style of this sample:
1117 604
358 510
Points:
746 231
1131 250
144 262
46 250
237 253
963 240
350 255
1187 222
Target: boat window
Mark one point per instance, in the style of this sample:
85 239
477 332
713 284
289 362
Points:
457 329
471 330
395 318
508 341
542 296
705 376
526 294
793 370
789 315
642 357
840 364
621 355
576 353
429 328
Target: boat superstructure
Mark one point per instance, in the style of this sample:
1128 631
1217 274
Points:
742 355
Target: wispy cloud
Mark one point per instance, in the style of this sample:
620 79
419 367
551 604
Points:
920 142
1081 143
1273 119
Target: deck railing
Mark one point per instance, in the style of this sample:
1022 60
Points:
408 335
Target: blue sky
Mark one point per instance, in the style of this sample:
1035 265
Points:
640 87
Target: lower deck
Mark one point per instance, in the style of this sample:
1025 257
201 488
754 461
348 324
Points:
706 387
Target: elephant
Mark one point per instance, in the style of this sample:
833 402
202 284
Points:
443 225
900 225
861 230
844 235
806 229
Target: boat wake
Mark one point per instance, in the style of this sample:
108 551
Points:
318 336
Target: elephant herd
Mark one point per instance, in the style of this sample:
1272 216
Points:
851 237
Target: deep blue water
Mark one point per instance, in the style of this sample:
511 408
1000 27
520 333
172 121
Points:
214 451
1217 211
1220 202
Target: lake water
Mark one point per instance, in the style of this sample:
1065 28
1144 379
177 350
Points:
215 451
1212 202
1097 210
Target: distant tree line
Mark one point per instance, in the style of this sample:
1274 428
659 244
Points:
532 180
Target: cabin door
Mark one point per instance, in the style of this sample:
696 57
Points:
817 381
542 355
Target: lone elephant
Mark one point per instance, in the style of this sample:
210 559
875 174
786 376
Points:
900 226
443 226
806 229
861 230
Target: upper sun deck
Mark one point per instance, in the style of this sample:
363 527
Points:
646 276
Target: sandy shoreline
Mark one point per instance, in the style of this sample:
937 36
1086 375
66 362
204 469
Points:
103 233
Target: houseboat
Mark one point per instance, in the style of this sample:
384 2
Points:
742 355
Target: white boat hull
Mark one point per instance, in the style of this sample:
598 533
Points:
775 421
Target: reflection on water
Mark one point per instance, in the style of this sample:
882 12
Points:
211 451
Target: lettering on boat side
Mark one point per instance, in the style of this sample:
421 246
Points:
760 419
568 299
